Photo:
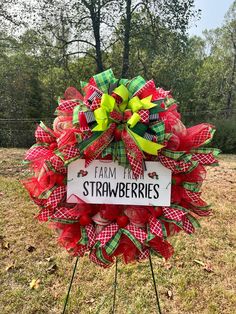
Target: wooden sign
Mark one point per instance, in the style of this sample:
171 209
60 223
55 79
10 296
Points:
106 182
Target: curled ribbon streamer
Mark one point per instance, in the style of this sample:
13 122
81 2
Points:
134 154
102 114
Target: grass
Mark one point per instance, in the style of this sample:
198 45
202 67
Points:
200 278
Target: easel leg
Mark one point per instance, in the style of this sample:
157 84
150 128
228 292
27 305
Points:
71 281
115 286
154 283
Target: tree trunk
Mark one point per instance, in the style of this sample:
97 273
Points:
125 66
97 37
63 34
95 16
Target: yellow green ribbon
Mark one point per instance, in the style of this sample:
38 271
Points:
146 145
134 119
102 114
123 92
135 104
108 105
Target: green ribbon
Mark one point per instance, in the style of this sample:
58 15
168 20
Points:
84 240
111 246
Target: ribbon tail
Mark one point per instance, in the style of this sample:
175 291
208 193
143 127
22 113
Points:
96 148
134 154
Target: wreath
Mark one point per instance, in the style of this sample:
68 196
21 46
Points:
130 122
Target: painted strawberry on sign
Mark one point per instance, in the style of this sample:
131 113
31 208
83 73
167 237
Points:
82 173
153 175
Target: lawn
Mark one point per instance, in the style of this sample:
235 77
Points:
35 271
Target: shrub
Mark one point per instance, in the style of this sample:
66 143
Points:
225 136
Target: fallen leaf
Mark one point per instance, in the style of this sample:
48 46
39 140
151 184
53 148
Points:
169 294
92 300
167 265
10 267
30 248
35 284
5 245
49 259
52 269
206 266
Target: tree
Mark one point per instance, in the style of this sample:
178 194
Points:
215 82
156 15
75 26
230 34
85 27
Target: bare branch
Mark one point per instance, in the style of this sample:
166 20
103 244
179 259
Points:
66 43
136 6
112 44
79 52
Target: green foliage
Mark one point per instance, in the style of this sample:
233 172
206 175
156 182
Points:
225 138
200 72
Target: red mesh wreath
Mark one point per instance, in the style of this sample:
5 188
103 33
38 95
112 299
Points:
119 112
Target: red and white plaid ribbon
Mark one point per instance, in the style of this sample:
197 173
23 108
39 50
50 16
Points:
205 159
137 232
173 213
173 165
67 105
155 227
58 164
187 226
56 197
36 152
70 152
143 255
144 115
44 137
91 235
107 233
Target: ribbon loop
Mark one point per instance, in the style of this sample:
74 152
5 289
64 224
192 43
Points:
136 104
123 92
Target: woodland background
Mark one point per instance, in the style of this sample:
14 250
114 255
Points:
46 46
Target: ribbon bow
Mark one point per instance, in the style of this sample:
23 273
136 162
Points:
122 117
108 105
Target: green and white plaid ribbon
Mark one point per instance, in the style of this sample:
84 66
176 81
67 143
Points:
159 129
135 84
104 79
